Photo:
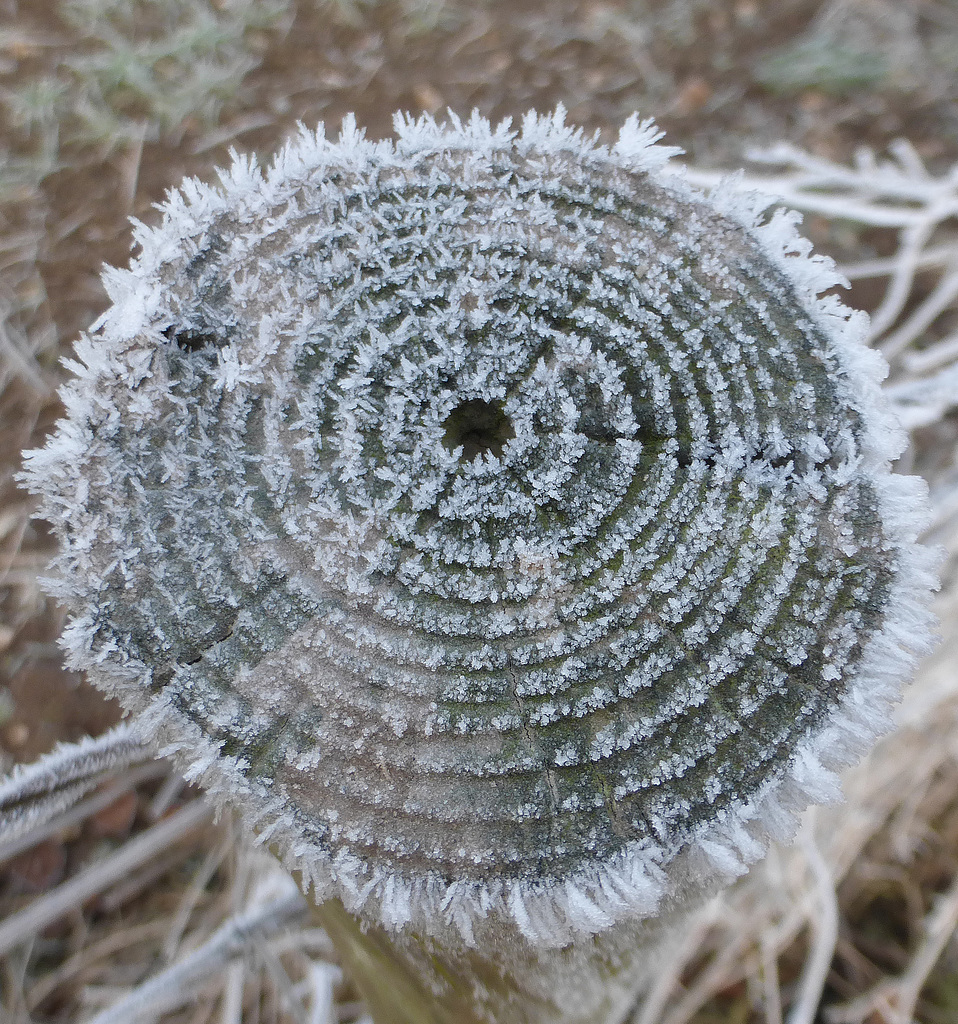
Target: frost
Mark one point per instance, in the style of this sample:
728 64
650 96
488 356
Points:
503 525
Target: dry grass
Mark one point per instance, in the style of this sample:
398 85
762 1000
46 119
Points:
101 111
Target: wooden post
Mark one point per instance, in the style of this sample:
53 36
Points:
407 978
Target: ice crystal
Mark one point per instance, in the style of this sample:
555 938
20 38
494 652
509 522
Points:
506 526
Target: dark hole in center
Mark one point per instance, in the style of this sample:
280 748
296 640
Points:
478 426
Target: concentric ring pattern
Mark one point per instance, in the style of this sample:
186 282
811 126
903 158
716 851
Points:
494 509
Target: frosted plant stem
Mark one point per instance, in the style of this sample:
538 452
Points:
168 792
666 981
940 299
934 257
937 355
176 985
81 811
287 997
322 982
834 207
923 402
35 793
913 241
825 936
231 1011
410 979
24 926
714 977
191 897
771 990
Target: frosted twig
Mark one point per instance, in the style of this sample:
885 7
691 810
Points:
771 992
902 195
167 793
832 206
870 199
933 356
24 926
220 135
913 240
322 980
825 935
717 975
872 177
231 1011
724 933
130 165
943 295
920 402
311 942
940 926
178 983
282 984
908 159
233 991
665 980
933 257
128 888
193 892
35 793
81 811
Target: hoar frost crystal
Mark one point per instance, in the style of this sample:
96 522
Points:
503 525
